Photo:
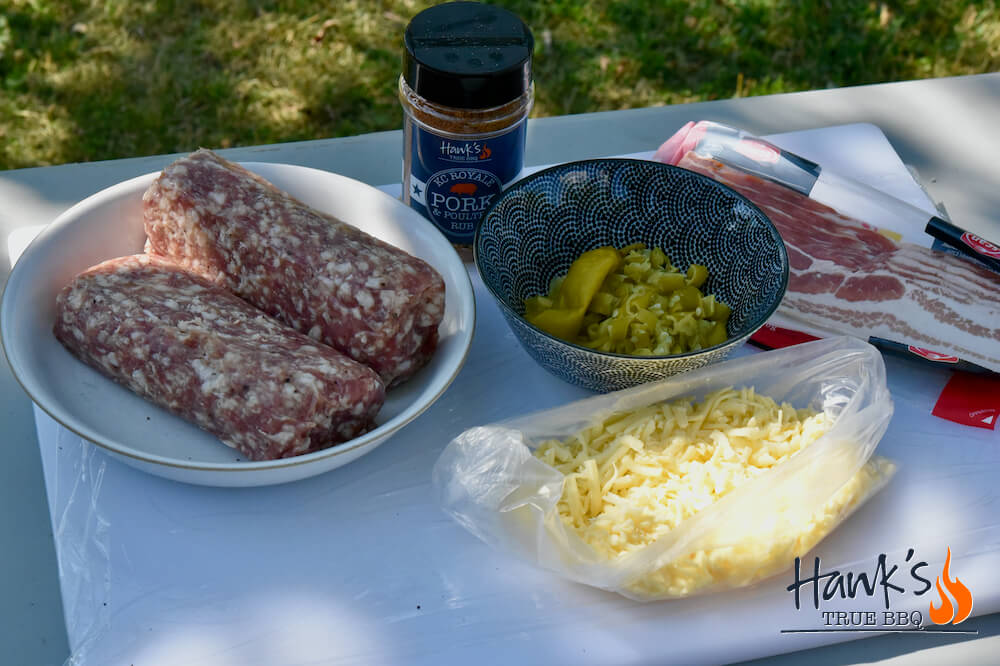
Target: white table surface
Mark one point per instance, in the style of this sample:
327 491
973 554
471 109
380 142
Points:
270 522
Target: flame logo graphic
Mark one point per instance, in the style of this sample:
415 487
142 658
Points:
485 155
948 612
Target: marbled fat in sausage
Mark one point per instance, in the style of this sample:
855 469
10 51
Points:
323 277
206 355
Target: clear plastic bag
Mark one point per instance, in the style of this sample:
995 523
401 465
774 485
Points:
490 482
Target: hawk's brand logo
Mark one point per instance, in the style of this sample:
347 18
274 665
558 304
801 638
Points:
981 245
888 582
464 151
832 584
932 355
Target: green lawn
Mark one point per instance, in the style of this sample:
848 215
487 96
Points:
89 80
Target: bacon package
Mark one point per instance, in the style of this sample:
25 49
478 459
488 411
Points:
325 278
847 278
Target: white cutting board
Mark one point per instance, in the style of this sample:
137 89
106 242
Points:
358 565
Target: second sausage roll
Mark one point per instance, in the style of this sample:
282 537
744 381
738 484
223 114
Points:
323 277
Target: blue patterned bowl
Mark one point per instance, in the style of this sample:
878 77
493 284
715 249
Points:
535 229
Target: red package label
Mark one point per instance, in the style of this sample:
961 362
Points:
970 399
775 337
931 355
981 245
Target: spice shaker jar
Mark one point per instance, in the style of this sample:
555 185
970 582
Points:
466 91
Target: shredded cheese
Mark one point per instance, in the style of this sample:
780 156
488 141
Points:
635 476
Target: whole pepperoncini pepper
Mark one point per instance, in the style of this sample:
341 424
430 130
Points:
582 282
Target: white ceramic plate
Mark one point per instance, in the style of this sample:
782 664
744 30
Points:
109 224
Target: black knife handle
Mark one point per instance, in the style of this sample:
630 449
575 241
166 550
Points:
969 244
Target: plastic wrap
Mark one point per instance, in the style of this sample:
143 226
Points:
81 532
490 482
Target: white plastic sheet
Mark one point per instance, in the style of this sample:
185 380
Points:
359 565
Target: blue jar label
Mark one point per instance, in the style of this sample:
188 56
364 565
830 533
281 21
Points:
453 181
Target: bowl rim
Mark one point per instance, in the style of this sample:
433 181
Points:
623 161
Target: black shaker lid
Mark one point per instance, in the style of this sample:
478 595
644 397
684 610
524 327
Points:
468 55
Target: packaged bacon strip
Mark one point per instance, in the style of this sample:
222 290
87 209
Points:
846 278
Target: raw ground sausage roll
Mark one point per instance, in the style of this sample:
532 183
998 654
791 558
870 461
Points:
327 279
206 355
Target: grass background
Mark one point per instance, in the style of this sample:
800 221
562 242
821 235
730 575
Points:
89 80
